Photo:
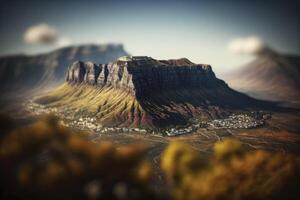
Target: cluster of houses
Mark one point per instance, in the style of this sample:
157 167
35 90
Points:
39 109
234 121
240 121
81 123
189 129
174 131
90 123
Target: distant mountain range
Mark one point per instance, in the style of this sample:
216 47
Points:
21 73
271 76
144 92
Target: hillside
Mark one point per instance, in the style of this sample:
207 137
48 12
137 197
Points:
271 76
144 92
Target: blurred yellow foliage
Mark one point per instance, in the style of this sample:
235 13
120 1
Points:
178 159
48 161
230 173
227 148
145 172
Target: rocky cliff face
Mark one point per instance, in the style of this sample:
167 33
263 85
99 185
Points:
145 76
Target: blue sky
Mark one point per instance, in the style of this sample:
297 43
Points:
198 30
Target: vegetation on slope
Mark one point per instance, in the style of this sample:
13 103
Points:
111 107
117 107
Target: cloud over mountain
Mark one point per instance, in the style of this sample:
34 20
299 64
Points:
247 45
40 34
63 42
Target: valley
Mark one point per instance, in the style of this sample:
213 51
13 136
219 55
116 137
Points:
276 132
279 132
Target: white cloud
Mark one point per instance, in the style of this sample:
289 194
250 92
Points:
247 45
63 42
40 34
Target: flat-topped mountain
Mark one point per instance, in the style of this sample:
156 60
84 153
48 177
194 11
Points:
144 75
19 73
144 92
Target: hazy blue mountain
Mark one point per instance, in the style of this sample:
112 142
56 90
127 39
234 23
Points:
19 73
271 76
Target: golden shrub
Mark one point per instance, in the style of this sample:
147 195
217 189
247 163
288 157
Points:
231 173
47 161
